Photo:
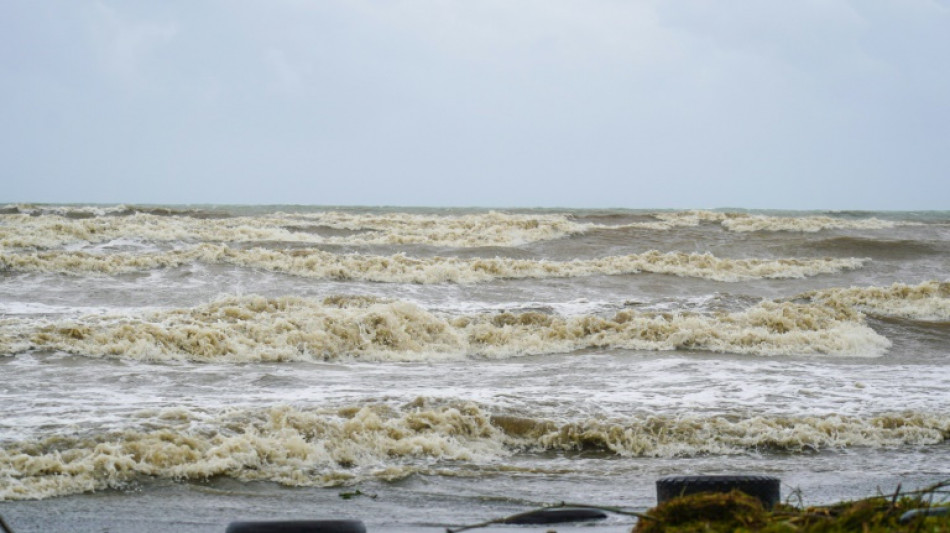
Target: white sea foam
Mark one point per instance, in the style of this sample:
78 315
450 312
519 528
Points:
809 224
46 231
51 227
742 222
400 268
35 308
251 328
74 211
300 447
926 301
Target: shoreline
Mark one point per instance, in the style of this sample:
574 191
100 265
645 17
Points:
402 507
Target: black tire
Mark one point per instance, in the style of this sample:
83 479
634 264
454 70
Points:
298 526
765 488
556 516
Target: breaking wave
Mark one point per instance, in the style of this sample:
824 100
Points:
253 328
47 227
92 211
328 447
45 231
400 268
742 222
927 301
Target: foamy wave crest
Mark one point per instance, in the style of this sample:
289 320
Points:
742 222
401 268
480 229
252 328
46 227
803 224
324 447
71 211
78 263
44 231
283 445
927 301
664 436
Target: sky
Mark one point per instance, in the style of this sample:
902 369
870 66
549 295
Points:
805 104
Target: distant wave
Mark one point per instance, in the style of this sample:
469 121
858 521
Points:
876 248
47 227
45 231
742 222
251 329
328 447
400 268
120 210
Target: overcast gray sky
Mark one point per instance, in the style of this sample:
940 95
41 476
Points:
805 104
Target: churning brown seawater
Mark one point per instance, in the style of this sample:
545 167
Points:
177 366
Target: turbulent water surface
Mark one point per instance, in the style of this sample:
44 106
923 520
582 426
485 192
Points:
195 365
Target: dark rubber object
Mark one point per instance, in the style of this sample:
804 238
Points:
765 488
298 526
556 516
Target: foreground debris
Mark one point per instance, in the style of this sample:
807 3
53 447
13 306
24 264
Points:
735 511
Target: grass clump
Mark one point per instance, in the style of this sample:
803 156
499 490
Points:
712 512
737 512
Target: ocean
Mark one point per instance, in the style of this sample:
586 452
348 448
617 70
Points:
179 367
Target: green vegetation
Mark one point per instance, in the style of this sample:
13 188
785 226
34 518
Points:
737 512
352 494
921 511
